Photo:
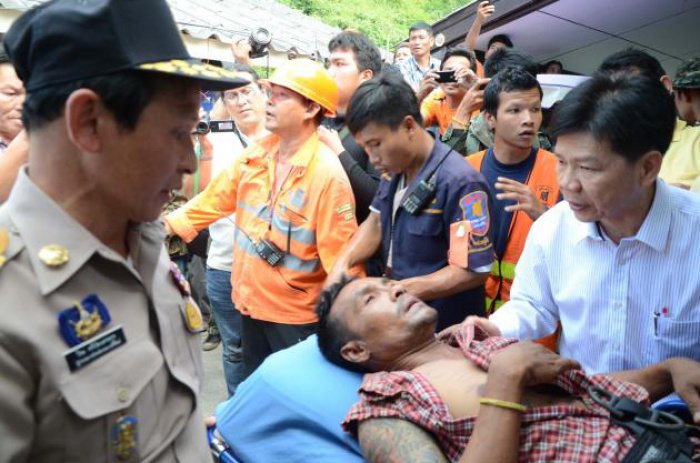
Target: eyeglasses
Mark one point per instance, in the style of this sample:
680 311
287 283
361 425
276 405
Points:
278 95
247 93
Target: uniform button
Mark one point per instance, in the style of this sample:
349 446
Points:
122 394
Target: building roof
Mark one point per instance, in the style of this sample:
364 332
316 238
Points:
581 34
229 20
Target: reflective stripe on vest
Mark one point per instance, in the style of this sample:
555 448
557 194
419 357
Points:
507 270
496 306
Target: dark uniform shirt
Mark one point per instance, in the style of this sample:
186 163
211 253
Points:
421 242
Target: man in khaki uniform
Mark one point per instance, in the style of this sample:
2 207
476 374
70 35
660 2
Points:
99 344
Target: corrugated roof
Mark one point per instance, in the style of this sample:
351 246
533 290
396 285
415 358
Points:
228 20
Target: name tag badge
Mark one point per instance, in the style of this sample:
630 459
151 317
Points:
87 352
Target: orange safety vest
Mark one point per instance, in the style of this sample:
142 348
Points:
312 218
543 180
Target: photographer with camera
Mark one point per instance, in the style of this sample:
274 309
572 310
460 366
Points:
294 213
460 92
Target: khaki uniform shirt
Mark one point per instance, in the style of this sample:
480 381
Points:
47 412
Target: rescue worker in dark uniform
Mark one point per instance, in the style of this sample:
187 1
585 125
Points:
431 214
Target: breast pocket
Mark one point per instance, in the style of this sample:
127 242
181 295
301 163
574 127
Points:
425 225
678 338
293 230
102 393
425 239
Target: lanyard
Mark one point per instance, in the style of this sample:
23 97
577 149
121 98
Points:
273 196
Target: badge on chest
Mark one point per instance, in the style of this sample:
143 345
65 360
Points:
84 328
191 313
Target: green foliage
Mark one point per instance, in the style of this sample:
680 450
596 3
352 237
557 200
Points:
262 71
384 21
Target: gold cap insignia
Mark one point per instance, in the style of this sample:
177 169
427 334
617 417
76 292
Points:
53 255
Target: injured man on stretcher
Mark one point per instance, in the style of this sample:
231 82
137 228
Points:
466 397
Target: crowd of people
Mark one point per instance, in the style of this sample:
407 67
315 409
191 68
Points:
493 279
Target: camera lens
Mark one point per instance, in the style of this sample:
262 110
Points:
202 128
259 40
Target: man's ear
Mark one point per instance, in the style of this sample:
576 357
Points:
83 111
650 165
666 81
355 352
410 124
312 110
366 75
490 120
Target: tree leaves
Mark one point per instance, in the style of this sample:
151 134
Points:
386 22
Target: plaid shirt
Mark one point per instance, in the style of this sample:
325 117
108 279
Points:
414 74
562 434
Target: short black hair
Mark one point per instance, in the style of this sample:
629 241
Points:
240 67
508 80
421 26
460 51
631 60
366 53
633 113
331 333
125 94
384 100
509 58
502 38
550 62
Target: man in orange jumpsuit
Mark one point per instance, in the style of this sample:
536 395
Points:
294 212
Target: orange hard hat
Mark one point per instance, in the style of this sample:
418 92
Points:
309 79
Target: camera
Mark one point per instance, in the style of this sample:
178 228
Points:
445 77
259 41
202 127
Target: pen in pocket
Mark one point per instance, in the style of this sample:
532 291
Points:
656 322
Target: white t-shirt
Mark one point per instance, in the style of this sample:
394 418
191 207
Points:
227 147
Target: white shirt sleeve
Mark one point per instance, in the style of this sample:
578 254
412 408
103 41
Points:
531 312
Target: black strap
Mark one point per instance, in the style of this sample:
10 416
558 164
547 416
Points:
660 436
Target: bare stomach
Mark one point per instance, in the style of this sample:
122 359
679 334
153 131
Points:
460 383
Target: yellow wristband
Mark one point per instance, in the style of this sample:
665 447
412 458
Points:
454 119
503 404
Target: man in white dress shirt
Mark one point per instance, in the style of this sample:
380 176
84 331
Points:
616 263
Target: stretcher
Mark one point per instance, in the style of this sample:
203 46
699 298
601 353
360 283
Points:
674 405
224 453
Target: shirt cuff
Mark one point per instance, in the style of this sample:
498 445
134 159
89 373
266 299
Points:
181 225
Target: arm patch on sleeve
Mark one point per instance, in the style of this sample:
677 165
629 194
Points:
475 208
